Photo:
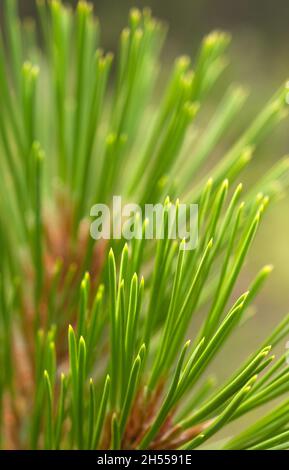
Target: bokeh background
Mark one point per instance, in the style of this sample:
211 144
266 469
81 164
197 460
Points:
259 57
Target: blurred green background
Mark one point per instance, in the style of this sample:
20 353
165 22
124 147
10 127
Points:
259 57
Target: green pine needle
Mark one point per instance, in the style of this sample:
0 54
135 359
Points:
100 344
